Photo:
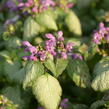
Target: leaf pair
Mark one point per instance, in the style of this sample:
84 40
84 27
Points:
45 87
33 71
33 27
58 68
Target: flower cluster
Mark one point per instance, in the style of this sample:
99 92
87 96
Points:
30 6
37 6
101 35
53 46
33 6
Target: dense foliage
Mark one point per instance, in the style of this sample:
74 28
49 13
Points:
54 54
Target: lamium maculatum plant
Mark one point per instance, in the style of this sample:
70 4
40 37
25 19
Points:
54 54
46 62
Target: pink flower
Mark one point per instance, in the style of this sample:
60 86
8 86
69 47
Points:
64 55
31 49
27 4
50 36
42 55
26 44
70 5
35 9
32 57
21 4
31 2
69 46
60 36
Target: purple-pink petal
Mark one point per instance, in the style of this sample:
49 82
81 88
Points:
31 49
26 44
64 55
69 46
50 36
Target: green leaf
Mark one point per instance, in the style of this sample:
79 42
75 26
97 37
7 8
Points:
48 91
5 54
33 71
73 23
61 65
50 65
101 75
13 42
97 104
18 76
51 13
79 72
31 28
46 21
10 67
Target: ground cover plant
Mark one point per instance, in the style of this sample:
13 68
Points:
54 54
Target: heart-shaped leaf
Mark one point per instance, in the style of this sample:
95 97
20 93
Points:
48 91
33 71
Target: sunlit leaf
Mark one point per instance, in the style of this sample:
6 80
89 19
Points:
73 23
33 71
61 65
31 28
46 21
48 91
50 65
